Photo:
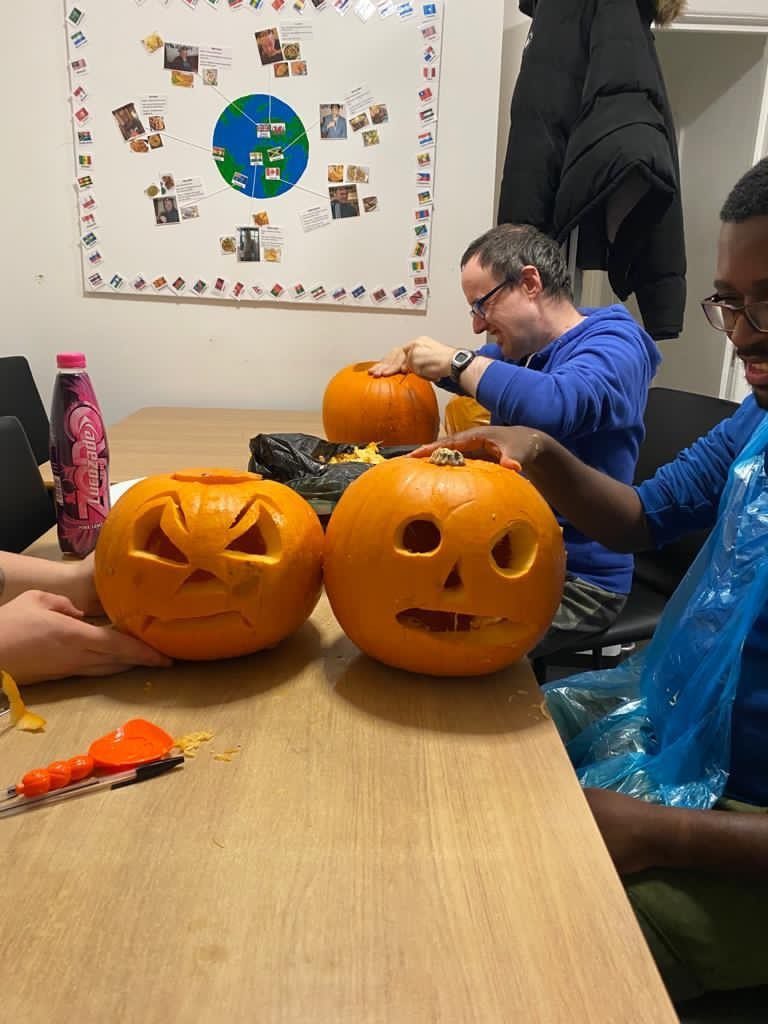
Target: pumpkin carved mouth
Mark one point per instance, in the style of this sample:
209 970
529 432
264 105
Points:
433 621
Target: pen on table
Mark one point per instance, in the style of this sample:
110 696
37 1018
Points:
90 785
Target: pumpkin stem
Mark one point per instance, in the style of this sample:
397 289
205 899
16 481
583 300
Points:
446 457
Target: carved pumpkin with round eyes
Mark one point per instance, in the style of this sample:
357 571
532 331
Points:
209 563
358 408
449 570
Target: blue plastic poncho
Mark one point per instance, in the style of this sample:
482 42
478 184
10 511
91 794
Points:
658 726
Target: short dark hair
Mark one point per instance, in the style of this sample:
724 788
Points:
748 197
507 248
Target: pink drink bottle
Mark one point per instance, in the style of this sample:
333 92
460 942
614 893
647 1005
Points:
79 457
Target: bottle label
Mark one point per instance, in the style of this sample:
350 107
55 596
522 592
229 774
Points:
80 463
89 491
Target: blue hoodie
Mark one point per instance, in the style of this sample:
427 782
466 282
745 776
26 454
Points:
588 389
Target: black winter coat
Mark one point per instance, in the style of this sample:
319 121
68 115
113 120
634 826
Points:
592 143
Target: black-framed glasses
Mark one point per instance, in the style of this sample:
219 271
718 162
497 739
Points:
477 308
724 316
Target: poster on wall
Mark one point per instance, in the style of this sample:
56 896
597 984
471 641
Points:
256 150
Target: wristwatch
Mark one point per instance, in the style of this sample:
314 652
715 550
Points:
460 360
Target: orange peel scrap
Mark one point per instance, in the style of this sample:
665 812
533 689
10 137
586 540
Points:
21 717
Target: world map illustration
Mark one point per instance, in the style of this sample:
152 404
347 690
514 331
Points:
260 146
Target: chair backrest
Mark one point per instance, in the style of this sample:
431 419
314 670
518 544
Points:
673 421
19 397
26 506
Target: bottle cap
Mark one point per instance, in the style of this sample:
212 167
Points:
70 361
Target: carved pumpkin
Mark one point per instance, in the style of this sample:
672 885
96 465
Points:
401 409
209 563
444 569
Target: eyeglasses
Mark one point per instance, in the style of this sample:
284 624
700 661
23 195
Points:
477 308
724 317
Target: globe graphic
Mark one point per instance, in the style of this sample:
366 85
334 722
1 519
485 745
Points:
260 146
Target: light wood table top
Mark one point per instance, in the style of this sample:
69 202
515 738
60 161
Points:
166 438
385 848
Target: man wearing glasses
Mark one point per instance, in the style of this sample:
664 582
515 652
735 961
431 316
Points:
698 879
582 377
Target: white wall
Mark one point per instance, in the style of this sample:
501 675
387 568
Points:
153 351
715 82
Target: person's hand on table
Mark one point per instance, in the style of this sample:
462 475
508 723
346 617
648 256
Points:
42 636
511 447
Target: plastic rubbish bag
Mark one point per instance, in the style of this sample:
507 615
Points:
658 726
302 462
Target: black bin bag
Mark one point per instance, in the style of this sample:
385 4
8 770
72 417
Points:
302 462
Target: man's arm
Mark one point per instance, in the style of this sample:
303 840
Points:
640 835
597 505
431 360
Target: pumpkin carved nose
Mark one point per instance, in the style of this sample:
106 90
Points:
453 580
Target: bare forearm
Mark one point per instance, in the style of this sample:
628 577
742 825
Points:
708 840
19 573
597 505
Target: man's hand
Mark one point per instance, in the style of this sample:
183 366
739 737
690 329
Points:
42 636
512 447
392 363
426 357
630 827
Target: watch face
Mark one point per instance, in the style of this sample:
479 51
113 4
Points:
462 358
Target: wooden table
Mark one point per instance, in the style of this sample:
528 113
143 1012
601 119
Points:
385 848
163 439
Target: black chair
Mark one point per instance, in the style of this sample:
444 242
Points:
673 421
26 509
19 397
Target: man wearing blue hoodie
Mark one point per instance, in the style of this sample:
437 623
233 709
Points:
581 377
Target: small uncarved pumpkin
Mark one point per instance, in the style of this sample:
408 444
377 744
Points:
209 563
452 569
401 409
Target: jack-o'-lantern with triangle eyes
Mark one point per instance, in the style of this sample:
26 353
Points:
209 563
447 569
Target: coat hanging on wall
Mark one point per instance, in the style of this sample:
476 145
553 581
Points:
592 144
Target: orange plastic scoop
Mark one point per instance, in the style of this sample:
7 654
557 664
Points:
134 743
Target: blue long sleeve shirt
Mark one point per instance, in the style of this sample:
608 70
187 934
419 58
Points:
588 389
682 496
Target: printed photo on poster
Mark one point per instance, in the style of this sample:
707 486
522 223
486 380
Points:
248 247
128 121
181 57
166 210
268 42
333 123
344 202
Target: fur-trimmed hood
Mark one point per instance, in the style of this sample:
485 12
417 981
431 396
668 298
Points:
667 10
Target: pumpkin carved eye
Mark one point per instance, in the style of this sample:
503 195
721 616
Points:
150 537
420 537
251 542
515 551
262 538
